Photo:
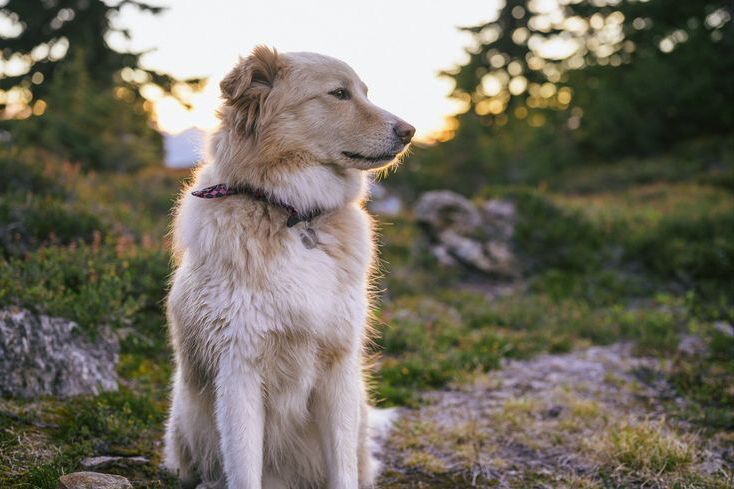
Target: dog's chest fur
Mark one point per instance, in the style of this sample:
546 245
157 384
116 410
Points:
245 280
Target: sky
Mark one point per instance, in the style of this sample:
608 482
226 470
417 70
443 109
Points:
397 47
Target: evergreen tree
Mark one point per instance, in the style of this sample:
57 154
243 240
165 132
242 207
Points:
550 84
45 32
102 130
82 96
630 75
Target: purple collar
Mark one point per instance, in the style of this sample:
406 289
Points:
222 190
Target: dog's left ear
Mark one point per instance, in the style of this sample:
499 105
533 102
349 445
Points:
248 85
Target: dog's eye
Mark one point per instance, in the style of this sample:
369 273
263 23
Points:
341 94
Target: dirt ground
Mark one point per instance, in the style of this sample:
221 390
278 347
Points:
590 418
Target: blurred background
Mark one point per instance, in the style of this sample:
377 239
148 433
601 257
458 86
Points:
565 212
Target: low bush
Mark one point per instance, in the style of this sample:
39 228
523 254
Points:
689 250
26 173
92 285
551 237
35 221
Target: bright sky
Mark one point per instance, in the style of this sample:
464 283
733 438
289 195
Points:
397 47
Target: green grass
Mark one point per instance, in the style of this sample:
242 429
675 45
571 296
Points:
707 383
645 264
429 342
709 162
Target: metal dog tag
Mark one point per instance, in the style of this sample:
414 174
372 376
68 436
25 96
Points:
309 238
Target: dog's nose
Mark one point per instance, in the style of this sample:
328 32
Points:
404 131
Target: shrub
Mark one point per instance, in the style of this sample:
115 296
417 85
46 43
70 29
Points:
689 250
550 237
35 221
35 208
90 285
25 174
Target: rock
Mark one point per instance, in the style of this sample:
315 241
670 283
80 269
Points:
479 237
692 346
443 256
42 355
554 411
724 328
466 250
554 401
443 209
499 218
104 461
93 480
502 257
710 465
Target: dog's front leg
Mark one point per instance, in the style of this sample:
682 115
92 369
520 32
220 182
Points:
337 411
240 421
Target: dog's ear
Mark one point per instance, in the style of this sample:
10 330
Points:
248 85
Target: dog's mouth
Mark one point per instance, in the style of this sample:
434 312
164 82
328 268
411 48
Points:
373 159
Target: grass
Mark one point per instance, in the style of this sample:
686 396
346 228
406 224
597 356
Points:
707 383
585 443
647 448
430 342
645 260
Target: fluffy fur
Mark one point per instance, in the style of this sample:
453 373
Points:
268 335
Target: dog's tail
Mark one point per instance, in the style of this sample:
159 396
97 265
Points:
380 422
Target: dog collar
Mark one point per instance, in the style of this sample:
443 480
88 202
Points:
223 190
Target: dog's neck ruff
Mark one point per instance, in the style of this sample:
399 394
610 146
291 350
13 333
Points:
223 190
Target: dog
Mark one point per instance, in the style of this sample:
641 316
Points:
269 301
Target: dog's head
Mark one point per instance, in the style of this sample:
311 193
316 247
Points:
310 104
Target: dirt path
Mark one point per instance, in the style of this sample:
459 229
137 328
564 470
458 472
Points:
590 418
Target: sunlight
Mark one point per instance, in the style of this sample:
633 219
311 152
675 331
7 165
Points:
406 84
172 117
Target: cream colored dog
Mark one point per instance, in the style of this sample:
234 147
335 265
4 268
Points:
268 303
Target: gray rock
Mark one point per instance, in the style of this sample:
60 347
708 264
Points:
692 346
710 465
466 250
443 209
42 355
93 480
479 237
724 328
105 461
499 218
503 258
